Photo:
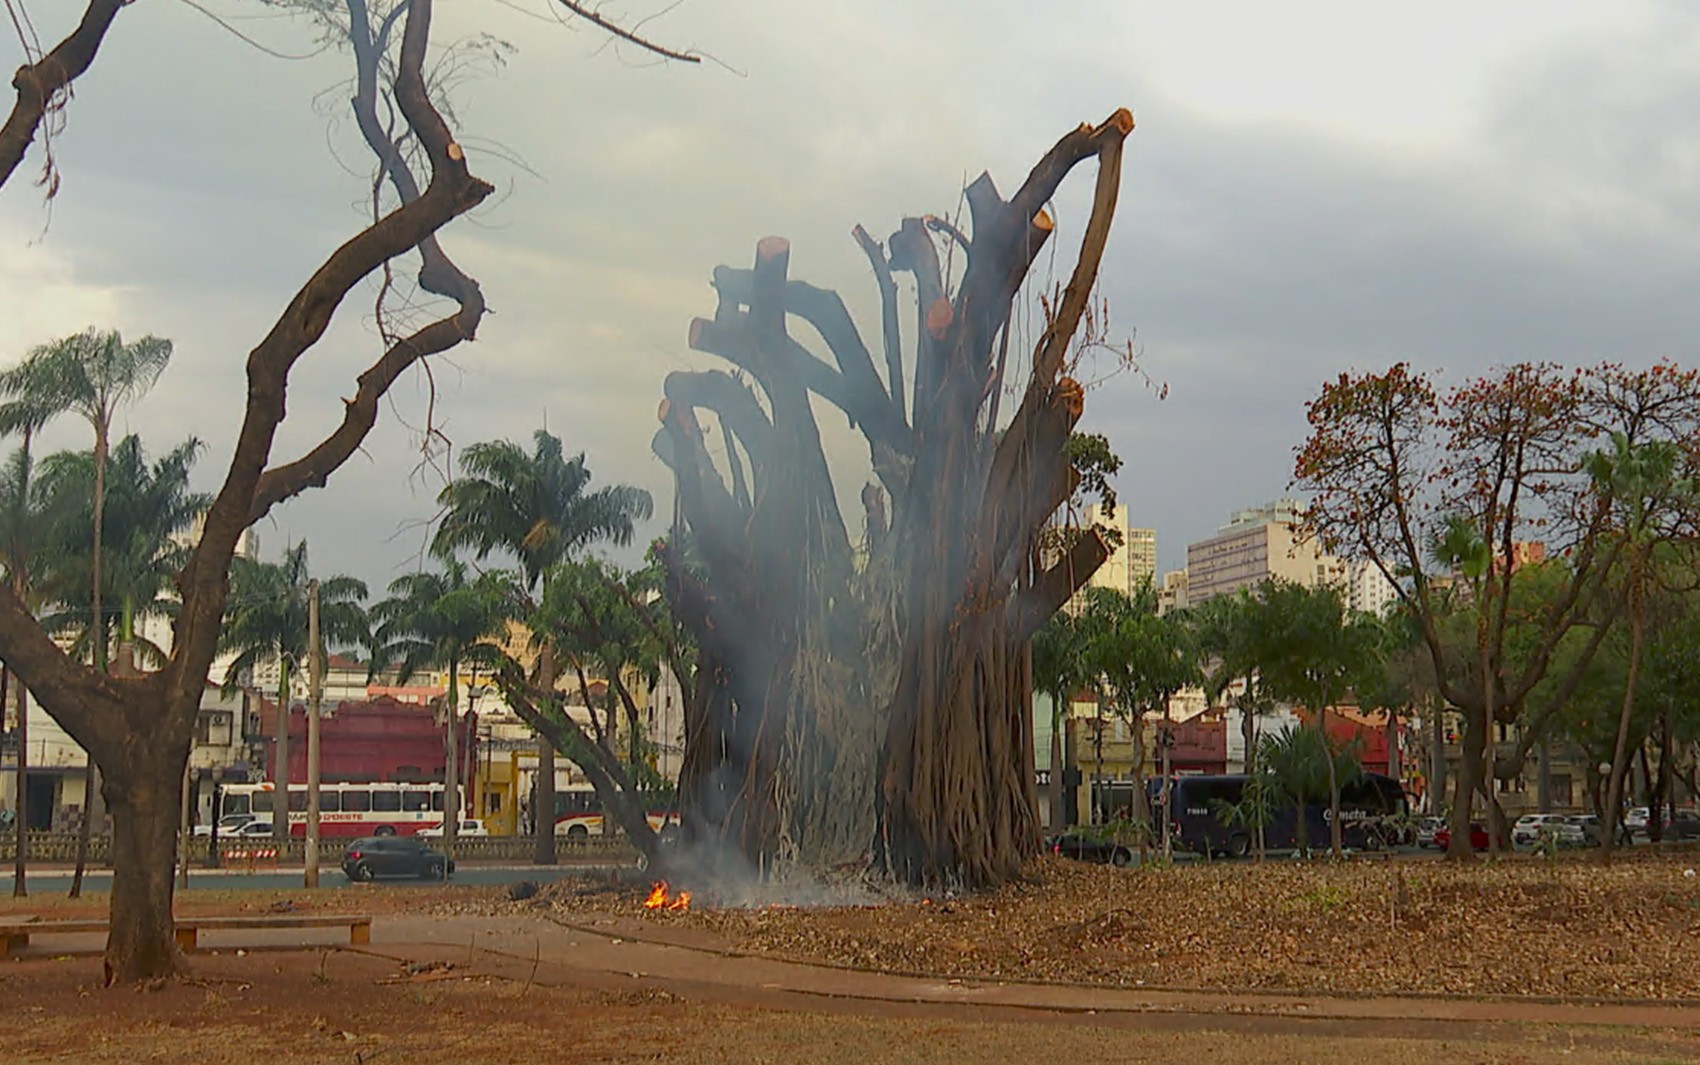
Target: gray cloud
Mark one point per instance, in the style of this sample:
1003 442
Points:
1253 259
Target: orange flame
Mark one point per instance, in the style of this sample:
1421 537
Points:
657 896
682 903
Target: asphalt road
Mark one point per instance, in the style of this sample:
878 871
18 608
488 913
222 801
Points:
58 880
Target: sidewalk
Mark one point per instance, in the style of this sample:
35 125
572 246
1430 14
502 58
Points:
603 953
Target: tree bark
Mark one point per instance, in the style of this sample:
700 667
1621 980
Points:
144 808
40 83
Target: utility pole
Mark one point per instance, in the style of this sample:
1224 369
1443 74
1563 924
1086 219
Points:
315 686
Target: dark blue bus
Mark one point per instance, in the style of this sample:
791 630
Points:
1374 813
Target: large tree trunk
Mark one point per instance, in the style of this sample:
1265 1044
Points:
922 645
144 803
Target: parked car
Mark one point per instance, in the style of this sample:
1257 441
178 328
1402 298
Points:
1426 828
1531 828
1587 830
1085 848
236 825
469 827
1678 824
376 856
1478 837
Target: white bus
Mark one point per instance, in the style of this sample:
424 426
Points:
383 809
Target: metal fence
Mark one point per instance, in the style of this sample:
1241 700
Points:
58 848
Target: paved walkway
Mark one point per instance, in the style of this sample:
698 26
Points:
624 953
634 952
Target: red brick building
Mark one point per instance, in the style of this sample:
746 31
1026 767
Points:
379 739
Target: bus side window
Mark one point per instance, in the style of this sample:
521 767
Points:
298 801
437 801
262 802
235 804
415 800
330 802
388 802
356 802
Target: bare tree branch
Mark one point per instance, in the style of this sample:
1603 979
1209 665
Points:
623 34
452 192
39 84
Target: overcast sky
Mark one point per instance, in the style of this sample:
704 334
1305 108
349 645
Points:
1311 187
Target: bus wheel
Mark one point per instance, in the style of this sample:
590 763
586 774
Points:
384 830
1238 846
577 832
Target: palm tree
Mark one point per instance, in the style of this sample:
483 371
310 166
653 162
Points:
1641 480
266 621
1315 655
21 524
27 409
535 507
23 521
148 507
91 374
445 620
1059 669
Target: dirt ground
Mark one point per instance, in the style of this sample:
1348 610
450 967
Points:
337 1006
1521 926
375 899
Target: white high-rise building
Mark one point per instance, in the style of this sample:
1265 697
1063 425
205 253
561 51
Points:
1367 589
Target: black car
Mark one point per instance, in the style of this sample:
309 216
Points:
1084 848
393 856
1683 825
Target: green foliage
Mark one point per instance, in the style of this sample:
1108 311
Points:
1091 456
148 506
1315 651
1137 659
266 615
447 619
536 506
90 374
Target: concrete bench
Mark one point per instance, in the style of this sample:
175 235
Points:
15 932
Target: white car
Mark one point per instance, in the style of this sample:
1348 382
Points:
469 828
1530 828
237 825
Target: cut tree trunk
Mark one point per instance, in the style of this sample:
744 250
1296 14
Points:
882 699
